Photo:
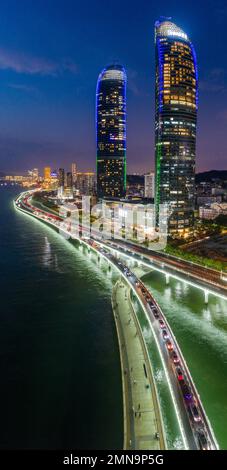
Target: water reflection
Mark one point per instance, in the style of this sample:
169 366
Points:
201 331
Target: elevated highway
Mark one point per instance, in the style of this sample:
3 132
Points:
194 424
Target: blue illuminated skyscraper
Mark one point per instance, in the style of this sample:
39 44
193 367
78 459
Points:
175 124
111 132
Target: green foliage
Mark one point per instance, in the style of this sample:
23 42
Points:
43 202
208 262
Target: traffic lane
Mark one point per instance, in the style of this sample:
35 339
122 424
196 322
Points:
157 332
198 272
170 270
187 378
170 258
195 426
194 270
191 270
189 427
113 259
172 377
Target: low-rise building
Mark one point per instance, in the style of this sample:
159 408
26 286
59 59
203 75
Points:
212 211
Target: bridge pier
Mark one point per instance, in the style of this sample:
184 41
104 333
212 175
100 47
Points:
133 263
206 295
167 279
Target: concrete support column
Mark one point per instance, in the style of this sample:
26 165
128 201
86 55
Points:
167 279
206 294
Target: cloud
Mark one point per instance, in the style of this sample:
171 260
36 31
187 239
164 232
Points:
25 64
22 87
69 66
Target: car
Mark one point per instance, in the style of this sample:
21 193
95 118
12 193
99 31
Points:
180 375
147 298
169 345
156 315
175 357
165 334
154 308
161 323
202 440
186 392
193 410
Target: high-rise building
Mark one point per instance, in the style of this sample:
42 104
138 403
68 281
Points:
74 172
85 183
47 172
175 124
61 177
111 132
149 185
69 180
54 175
34 174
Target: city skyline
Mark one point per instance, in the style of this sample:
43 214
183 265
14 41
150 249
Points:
48 86
113 189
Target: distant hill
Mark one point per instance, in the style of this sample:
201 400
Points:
208 176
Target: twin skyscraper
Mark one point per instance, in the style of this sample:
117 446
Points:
111 132
176 104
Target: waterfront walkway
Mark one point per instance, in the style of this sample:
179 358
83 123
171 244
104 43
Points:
142 420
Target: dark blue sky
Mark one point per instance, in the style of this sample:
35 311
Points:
51 53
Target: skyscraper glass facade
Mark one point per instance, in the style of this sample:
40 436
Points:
111 132
61 177
69 179
175 124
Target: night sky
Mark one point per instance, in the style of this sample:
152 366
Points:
51 53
